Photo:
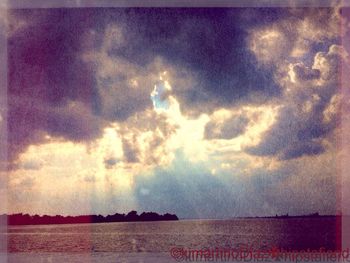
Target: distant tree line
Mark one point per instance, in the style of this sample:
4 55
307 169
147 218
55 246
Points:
26 219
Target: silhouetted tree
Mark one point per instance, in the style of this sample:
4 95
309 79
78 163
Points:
26 219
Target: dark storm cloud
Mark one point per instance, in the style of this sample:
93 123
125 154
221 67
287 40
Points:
228 129
310 112
46 66
50 90
295 134
211 44
303 73
30 119
303 148
206 50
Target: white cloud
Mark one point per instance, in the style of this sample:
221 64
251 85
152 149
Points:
268 44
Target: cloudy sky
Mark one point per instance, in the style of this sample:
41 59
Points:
206 112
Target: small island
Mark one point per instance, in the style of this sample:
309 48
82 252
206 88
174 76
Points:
26 219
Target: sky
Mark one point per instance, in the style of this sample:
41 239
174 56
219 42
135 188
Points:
202 112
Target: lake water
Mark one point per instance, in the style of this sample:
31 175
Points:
153 241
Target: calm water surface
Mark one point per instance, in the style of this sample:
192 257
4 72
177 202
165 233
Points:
142 238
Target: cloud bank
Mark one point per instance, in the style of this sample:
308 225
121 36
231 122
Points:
205 110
